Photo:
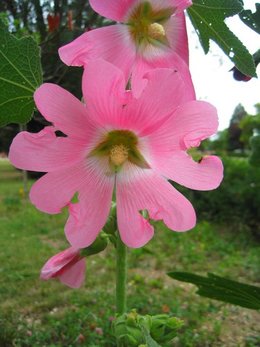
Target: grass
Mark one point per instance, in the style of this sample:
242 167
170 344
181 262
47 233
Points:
37 313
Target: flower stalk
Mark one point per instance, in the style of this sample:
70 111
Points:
121 275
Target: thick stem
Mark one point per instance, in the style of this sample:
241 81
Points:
121 271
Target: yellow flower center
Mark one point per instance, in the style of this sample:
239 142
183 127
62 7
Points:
156 31
146 25
118 154
120 146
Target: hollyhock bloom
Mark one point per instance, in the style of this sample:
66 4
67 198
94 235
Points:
68 266
151 34
118 141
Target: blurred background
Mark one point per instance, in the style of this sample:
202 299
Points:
225 241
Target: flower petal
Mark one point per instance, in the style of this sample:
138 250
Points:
176 33
104 92
74 276
44 151
168 60
139 190
181 168
65 111
112 43
181 5
177 5
114 9
54 190
165 91
56 263
191 123
89 215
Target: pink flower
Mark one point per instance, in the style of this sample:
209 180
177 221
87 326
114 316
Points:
152 34
119 142
68 266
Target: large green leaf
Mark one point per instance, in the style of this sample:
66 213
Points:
208 19
251 19
20 75
223 289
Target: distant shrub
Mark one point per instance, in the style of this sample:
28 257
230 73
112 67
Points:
237 200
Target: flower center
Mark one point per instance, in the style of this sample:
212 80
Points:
146 25
156 31
120 146
118 154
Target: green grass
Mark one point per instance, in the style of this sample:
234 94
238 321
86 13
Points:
37 313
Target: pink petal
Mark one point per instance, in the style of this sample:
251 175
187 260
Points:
187 127
112 43
181 168
65 111
168 60
56 263
44 151
104 92
89 215
139 190
181 4
176 33
114 9
74 276
178 5
54 190
165 91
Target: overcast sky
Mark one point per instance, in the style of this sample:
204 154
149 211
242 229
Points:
212 79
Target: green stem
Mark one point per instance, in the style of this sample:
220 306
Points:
121 270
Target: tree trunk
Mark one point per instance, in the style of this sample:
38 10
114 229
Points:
39 17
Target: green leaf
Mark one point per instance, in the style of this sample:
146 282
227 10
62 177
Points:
251 19
20 75
208 17
222 289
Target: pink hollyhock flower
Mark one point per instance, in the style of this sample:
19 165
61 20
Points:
119 142
151 34
68 266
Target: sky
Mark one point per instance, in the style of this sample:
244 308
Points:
210 73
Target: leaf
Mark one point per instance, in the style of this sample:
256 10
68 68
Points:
20 75
150 342
251 19
222 289
208 17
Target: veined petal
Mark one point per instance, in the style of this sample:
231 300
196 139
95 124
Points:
114 9
74 276
139 190
191 123
89 215
181 5
164 92
169 61
104 92
55 190
45 151
176 33
112 43
58 262
64 110
181 168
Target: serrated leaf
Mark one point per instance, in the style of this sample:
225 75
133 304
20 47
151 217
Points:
222 289
20 75
251 19
208 17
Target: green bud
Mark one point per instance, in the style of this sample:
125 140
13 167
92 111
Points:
127 330
97 246
164 328
110 227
